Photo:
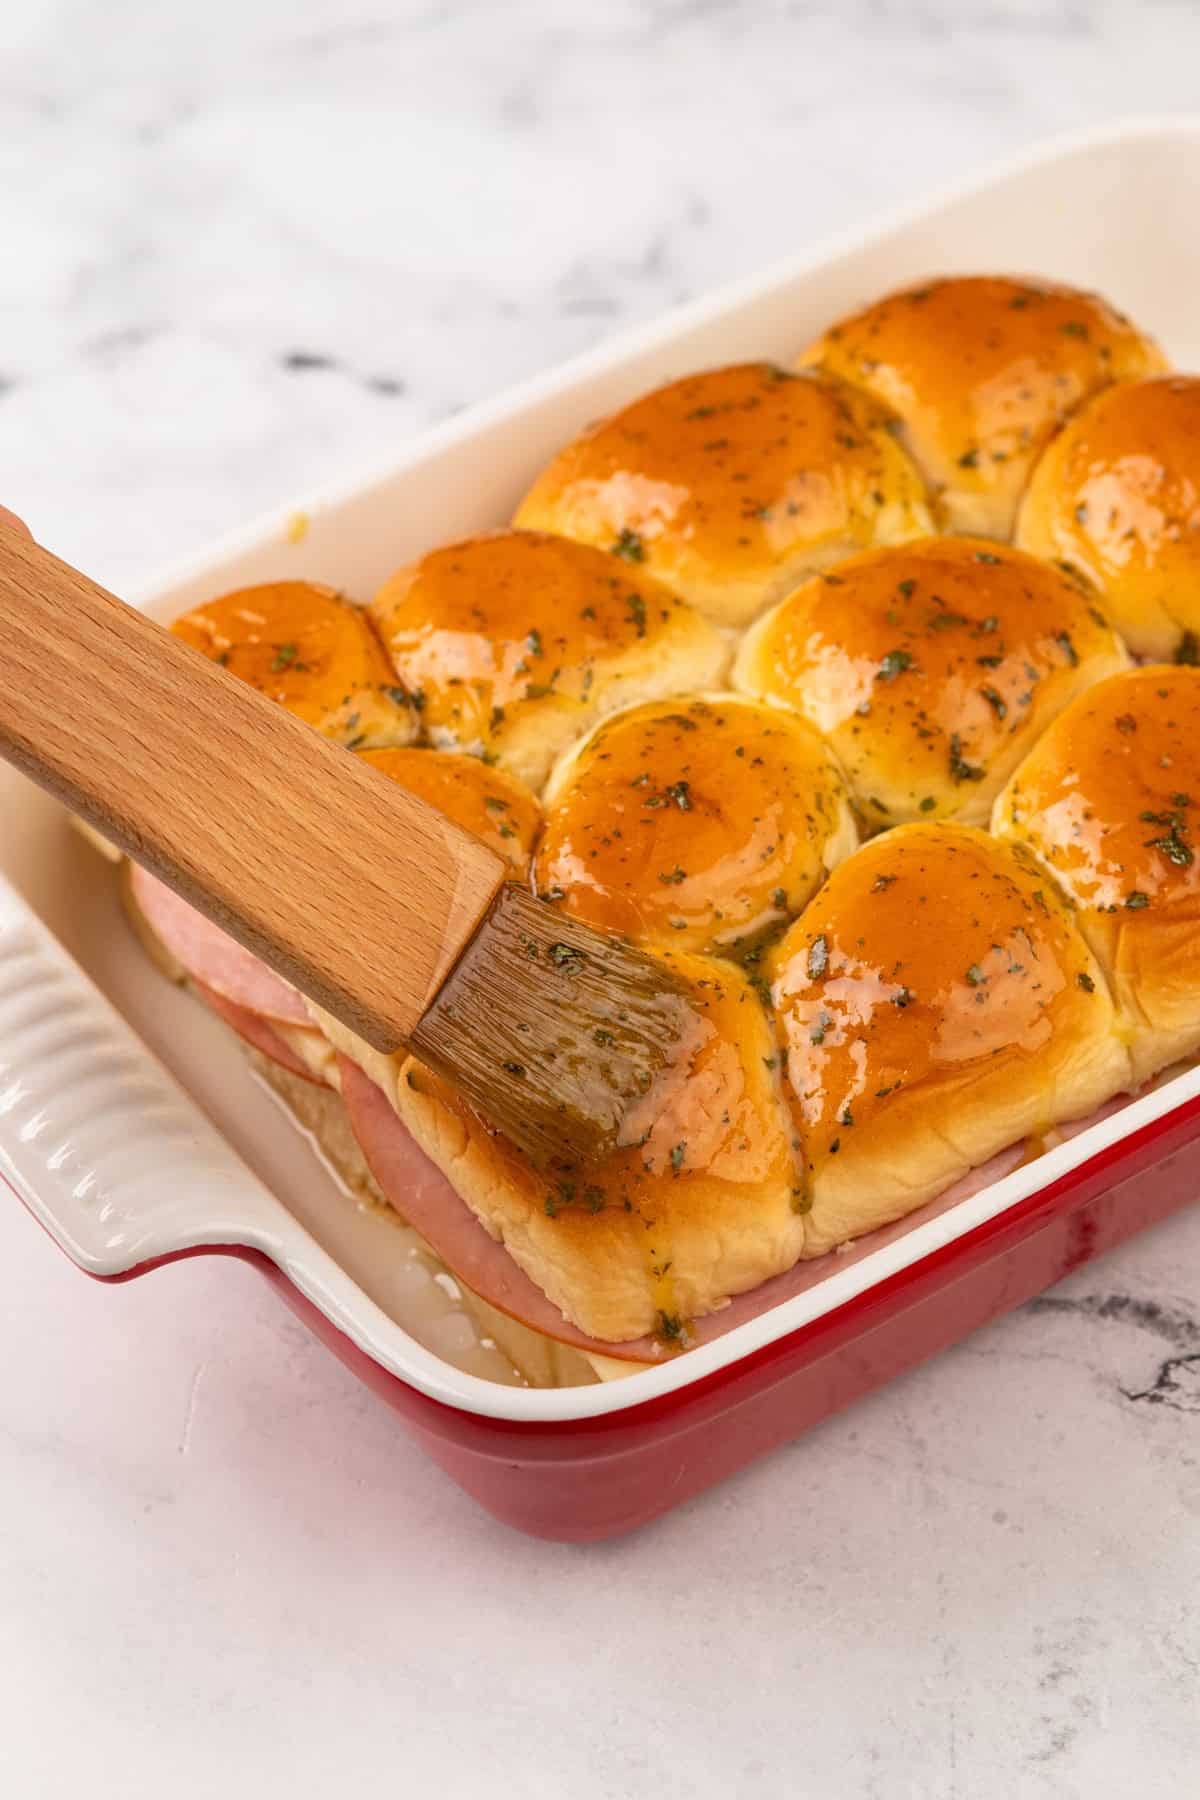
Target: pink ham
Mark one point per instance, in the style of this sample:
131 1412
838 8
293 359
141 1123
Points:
258 1031
211 957
419 1191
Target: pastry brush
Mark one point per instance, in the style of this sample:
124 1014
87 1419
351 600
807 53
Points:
386 914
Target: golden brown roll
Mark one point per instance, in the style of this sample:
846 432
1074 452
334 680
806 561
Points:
1109 800
305 647
930 668
493 805
732 485
698 823
982 369
705 1204
514 643
1117 495
936 1004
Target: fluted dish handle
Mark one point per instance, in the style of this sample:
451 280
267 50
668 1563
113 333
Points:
106 1150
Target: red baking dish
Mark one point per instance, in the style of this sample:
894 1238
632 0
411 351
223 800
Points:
129 1163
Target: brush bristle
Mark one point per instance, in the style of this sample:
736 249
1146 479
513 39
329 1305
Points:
551 1030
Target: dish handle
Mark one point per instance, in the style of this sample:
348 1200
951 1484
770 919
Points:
106 1150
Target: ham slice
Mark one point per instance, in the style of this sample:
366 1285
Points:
420 1192
211 957
258 1031
427 1199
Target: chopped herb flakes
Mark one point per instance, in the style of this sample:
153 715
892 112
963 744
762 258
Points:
894 664
960 769
630 546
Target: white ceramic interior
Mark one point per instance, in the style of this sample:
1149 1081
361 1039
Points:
116 1155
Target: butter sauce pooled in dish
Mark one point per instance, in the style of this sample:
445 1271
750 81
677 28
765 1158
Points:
923 884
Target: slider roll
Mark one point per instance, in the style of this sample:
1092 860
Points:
1109 801
935 1004
732 485
930 669
981 371
1117 497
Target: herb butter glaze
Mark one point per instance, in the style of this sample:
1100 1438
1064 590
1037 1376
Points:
515 642
700 823
733 484
495 806
935 1004
1117 495
982 370
1109 799
312 652
930 669
704 1200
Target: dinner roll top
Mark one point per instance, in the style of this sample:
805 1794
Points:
935 1004
733 484
310 650
930 668
698 823
488 802
1109 799
1117 495
982 369
703 1203
512 644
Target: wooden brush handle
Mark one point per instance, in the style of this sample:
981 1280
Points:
341 880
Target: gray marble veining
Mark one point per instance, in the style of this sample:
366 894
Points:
248 248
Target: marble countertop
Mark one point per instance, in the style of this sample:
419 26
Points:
250 247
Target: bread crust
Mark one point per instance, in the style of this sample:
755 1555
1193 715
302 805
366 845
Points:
1109 801
513 643
982 370
935 1005
1117 496
733 484
930 669
706 1206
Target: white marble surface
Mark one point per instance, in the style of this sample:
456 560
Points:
248 246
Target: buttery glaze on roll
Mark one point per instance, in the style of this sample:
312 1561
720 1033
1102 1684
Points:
1117 495
1109 800
733 484
705 1204
515 642
699 823
305 647
930 669
935 1004
982 370
493 805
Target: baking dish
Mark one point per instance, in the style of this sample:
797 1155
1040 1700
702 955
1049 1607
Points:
121 1164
